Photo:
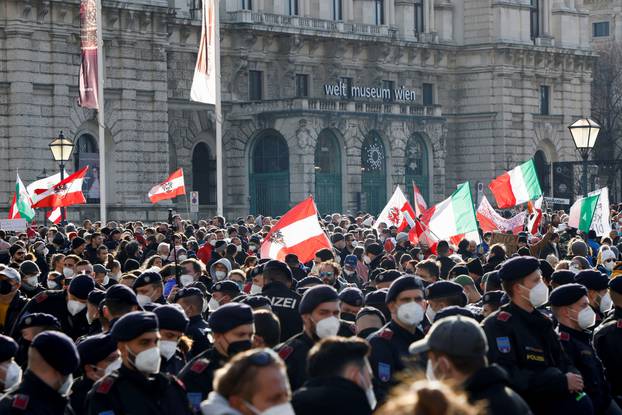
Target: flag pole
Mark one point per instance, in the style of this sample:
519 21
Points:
218 114
101 67
188 207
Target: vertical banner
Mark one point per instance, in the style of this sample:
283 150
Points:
204 81
600 222
88 45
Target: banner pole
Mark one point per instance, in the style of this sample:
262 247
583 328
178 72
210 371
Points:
101 67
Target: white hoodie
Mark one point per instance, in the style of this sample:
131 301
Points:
216 404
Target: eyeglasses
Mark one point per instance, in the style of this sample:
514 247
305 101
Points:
326 274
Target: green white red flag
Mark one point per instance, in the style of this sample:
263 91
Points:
516 186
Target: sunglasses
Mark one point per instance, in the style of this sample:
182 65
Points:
326 274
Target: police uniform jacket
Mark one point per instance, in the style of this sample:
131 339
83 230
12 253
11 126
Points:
294 353
198 330
31 292
330 396
607 342
174 365
491 384
54 302
389 348
127 391
79 390
578 347
285 305
34 397
528 348
198 375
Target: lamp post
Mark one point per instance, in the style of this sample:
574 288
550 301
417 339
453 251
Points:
584 133
61 148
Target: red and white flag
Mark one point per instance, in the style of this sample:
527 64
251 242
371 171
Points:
393 212
204 82
170 188
55 215
535 215
490 221
65 193
420 205
13 212
297 232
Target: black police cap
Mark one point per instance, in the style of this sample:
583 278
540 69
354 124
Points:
371 311
567 294
518 267
454 310
615 285
389 275
309 281
226 286
81 286
94 349
58 350
405 283
8 348
378 297
315 296
121 294
562 277
279 266
134 324
188 292
96 296
229 316
171 317
546 268
352 296
492 297
442 289
592 279
39 320
146 278
255 301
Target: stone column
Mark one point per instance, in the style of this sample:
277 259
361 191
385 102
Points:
545 9
432 21
426 14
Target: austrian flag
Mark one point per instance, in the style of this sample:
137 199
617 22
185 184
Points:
65 193
168 189
297 232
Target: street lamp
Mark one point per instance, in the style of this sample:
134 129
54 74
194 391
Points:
61 148
584 133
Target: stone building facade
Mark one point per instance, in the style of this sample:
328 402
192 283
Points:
342 99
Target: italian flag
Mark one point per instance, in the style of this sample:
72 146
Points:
453 218
22 201
582 213
516 186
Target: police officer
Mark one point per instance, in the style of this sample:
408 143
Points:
149 288
98 357
608 338
352 301
27 328
523 342
596 284
442 294
137 387
571 309
232 328
10 372
11 298
93 301
52 359
191 301
491 301
69 306
319 309
173 324
389 345
119 301
277 279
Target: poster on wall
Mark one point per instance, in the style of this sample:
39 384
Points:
90 185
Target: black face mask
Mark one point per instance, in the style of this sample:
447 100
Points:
238 347
5 287
367 332
348 317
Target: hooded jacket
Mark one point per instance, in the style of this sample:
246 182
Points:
212 271
216 404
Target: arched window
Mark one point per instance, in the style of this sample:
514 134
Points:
269 175
86 153
373 167
416 166
327 173
543 169
204 174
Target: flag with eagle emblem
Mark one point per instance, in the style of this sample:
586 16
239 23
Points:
172 187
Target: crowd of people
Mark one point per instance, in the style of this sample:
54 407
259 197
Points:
185 318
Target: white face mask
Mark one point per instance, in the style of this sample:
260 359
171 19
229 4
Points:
212 242
13 375
252 247
605 303
410 313
31 281
186 280
143 299
366 260
213 304
281 409
539 294
67 272
182 258
256 289
147 361
369 393
421 257
574 269
238 248
106 280
64 388
52 285
74 307
586 318
220 275
113 366
430 314
429 371
89 319
168 348
326 327
609 265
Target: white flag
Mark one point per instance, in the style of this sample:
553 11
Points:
600 222
204 81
